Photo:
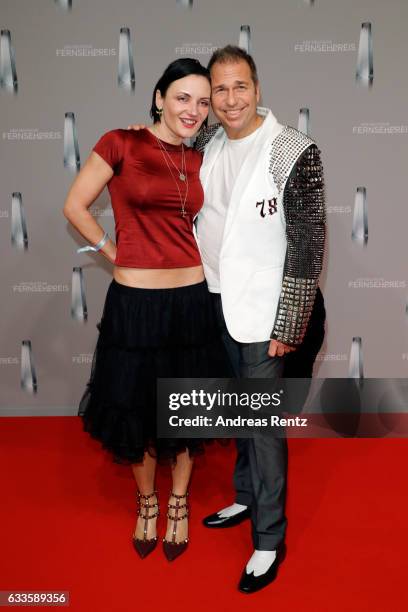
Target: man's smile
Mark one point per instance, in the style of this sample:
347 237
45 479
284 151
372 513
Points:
233 113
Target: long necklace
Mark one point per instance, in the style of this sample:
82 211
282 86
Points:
182 174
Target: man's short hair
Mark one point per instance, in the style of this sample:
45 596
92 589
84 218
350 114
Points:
231 53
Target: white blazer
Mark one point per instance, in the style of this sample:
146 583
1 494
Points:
254 241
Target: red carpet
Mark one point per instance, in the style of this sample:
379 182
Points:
68 511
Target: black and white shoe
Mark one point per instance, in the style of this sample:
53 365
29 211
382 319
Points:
216 521
250 583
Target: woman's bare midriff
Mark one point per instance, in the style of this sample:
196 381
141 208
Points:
158 278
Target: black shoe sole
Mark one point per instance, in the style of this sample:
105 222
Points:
229 522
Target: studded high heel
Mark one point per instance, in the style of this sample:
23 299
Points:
146 546
173 549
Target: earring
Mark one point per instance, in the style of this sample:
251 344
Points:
160 112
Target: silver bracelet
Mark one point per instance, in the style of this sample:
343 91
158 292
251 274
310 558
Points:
95 248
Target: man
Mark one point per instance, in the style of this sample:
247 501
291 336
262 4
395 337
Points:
261 234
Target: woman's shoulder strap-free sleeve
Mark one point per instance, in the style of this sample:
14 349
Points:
111 147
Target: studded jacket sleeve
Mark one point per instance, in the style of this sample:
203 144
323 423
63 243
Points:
304 208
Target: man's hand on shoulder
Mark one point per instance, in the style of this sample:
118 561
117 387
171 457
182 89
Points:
278 349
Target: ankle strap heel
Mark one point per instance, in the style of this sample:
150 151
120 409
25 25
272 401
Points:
145 546
173 549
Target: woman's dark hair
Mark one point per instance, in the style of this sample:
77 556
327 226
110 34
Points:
176 70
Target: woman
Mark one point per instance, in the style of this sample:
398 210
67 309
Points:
158 318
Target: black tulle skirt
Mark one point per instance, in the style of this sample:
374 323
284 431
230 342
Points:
145 334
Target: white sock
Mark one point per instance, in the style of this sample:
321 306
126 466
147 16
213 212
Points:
231 510
260 561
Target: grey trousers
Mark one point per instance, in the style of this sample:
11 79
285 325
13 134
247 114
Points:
261 466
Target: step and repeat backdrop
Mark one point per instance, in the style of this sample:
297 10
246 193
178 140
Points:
71 70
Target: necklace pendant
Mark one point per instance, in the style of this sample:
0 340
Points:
182 176
183 213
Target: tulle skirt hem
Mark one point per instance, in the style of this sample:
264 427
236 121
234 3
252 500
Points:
145 334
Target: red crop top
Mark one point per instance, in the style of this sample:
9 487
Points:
150 231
